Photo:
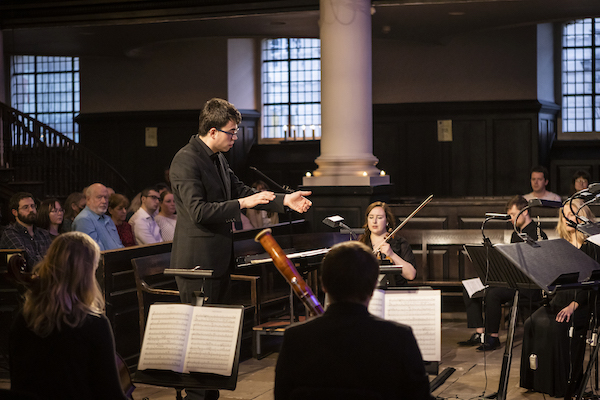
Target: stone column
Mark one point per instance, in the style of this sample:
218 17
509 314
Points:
346 97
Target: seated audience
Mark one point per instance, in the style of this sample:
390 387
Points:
167 217
117 209
145 229
547 340
73 205
61 345
496 296
23 234
348 353
539 181
50 217
379 222
261 218
92 220
581 180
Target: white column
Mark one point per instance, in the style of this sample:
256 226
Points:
346 97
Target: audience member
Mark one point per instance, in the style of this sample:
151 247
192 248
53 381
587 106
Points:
61 345
496 296
581 180
145 229
261 218
539 181
117 209
73 205
558 352
23 234
50 217
379 222
348 353
93 220
167 217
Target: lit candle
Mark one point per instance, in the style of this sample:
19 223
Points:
313 131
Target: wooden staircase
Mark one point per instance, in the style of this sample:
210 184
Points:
36 158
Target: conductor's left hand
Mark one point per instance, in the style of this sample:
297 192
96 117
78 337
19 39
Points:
297 202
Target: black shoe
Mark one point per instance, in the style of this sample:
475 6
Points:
474 340
491 343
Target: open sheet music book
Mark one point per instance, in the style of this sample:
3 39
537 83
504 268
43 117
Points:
184 338
421 309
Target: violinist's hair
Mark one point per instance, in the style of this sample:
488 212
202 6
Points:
389 216
66 290
349 272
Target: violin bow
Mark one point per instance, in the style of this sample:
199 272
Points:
423 204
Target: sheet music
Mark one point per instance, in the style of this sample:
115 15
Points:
213 340
419 309
166 336
474 286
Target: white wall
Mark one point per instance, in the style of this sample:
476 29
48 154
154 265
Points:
545 62
179 75
494 65
4 72
242 73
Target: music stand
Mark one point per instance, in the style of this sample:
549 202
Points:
194 380
547 264
195 273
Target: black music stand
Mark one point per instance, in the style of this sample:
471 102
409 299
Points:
195 273
194 380
547 264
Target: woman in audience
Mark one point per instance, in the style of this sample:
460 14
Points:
379 222
547 344
50 217
73 205
117 209
61 344
167 217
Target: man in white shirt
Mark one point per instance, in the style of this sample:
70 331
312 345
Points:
539 181
144 226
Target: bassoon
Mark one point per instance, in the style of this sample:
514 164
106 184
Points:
289 272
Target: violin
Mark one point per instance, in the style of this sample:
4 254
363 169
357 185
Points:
289 272
124 376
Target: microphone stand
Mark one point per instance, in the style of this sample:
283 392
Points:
284 189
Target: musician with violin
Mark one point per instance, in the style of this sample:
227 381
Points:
390 249
61 345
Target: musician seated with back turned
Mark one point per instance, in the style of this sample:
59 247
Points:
348 353
379 222
61 345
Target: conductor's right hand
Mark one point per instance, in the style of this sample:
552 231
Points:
264 197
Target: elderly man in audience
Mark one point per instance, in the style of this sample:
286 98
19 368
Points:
145 229
94 221
23 234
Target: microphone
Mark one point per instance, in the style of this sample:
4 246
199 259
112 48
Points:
544 203
503 217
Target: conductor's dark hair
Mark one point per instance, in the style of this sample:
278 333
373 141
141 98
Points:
518 201
349 272
216 114
542 169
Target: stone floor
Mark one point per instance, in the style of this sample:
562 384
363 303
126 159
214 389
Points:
477 374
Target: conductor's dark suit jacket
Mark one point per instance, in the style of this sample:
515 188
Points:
350 349
206 207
